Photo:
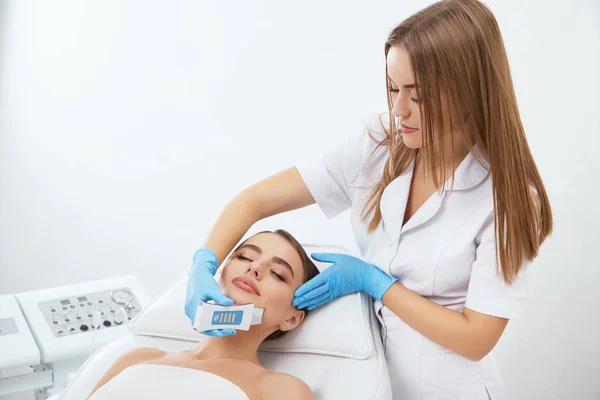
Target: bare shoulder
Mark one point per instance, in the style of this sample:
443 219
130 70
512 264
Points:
145 353
138 355
274 383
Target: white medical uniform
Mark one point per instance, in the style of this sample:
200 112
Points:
445 253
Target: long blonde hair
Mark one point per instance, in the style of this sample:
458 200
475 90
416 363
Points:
456 48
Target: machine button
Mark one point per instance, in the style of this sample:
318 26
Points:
84 327
100 301
89 303
107 323
81 305
67 320
64 308
53 310
55 322
72 329
72 306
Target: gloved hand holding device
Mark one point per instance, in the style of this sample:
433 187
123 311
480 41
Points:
202 286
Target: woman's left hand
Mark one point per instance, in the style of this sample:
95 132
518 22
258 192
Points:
347 275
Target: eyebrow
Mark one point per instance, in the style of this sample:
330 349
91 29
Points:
277 260
408 86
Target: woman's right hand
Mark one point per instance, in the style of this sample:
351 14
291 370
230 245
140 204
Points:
202 286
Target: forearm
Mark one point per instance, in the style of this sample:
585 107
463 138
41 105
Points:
449 328
232 224
284 191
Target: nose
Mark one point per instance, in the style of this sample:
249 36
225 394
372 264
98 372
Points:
256 269
400 107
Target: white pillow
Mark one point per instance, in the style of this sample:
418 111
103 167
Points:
339 328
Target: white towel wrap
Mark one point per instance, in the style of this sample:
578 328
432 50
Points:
154 382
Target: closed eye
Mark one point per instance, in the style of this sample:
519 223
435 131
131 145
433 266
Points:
280 277
240 257
392 90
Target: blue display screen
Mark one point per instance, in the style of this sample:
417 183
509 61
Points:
227 317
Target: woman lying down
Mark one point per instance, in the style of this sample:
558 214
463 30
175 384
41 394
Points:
264 270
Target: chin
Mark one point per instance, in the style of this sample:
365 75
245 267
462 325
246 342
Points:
239 296
412 142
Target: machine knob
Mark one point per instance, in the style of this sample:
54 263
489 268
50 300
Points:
96 320
107 323
84 327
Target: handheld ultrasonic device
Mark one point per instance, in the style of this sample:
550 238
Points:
213 316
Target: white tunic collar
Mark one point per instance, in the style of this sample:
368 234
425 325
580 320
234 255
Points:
394 199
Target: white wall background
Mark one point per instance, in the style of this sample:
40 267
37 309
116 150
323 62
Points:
125 127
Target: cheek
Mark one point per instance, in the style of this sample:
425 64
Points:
416 116
280 295
231 270
278 303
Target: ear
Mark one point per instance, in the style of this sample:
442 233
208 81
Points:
292 322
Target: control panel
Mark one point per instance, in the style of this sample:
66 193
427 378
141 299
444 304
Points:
86 312
72 320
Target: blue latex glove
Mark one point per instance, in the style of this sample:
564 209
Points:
202 286
347 275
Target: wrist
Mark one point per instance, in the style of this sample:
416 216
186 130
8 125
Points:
207 258
381 283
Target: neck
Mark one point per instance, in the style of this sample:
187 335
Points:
242 346
454 152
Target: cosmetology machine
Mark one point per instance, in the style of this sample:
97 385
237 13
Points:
47 334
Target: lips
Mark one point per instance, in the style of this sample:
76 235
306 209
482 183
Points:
407 129
246 284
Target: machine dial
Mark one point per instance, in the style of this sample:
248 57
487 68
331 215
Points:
122 296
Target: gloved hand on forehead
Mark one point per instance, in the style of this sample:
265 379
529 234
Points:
202 286
347 275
